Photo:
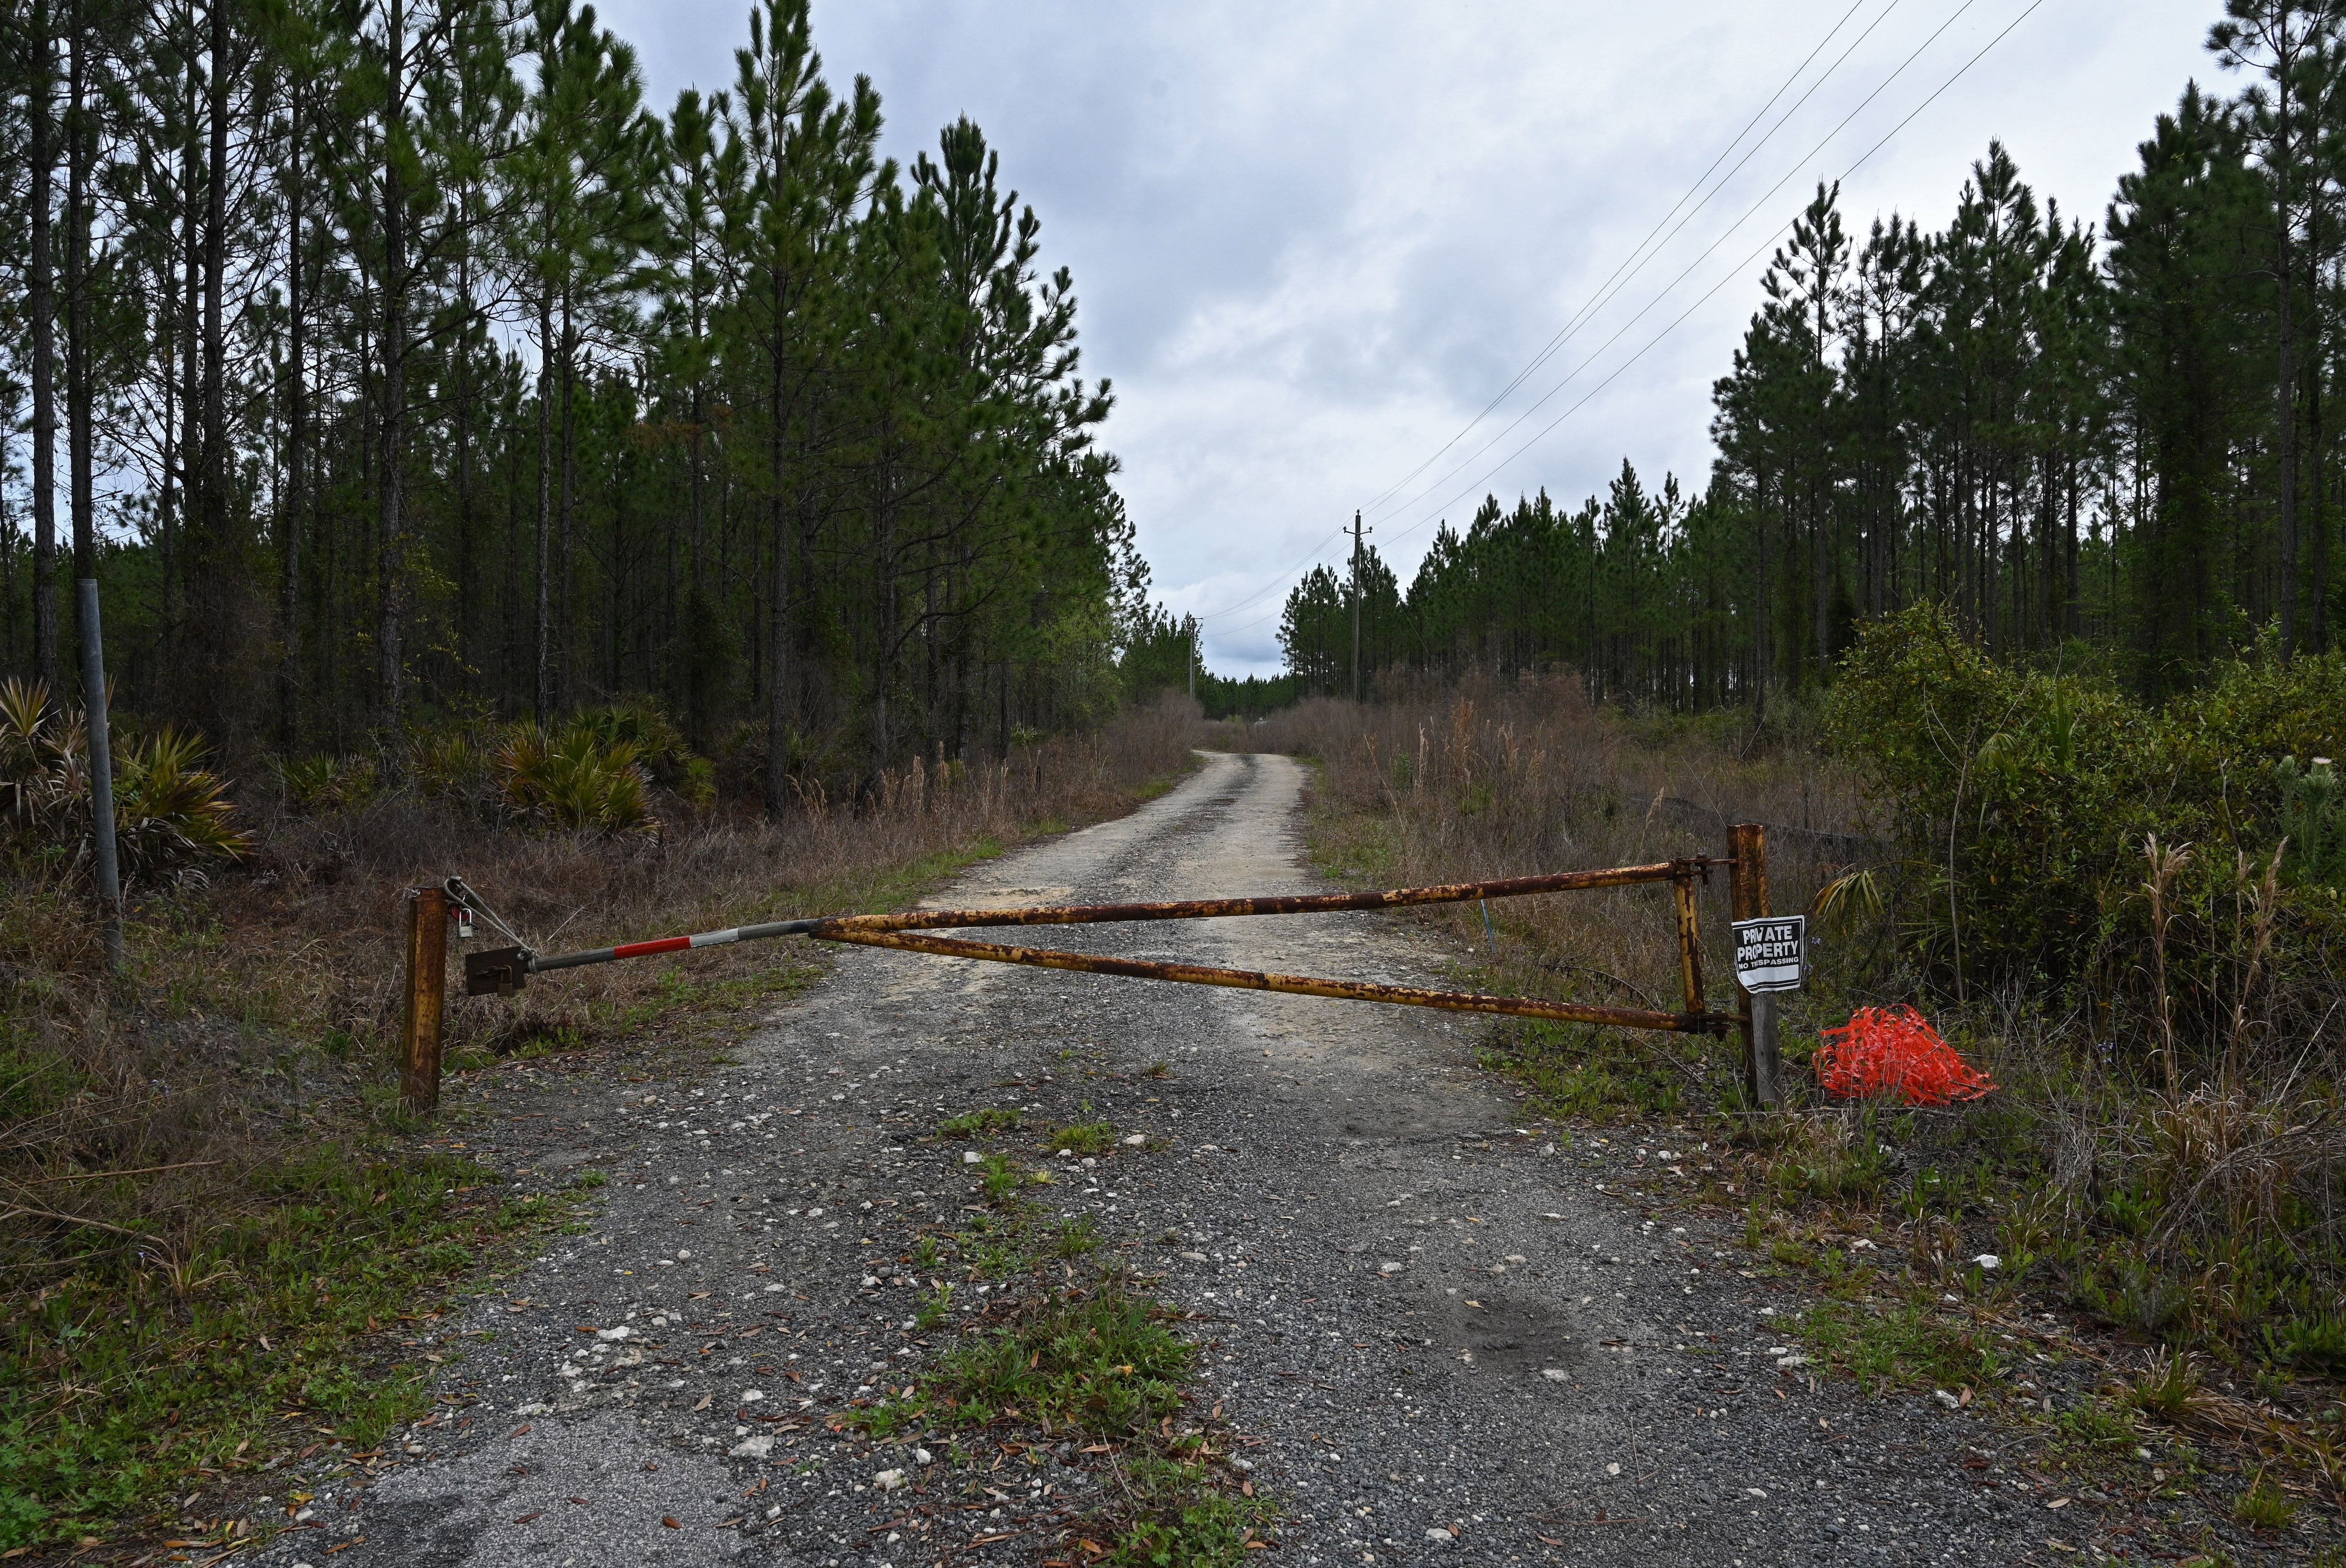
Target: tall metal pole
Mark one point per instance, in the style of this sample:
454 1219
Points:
1193 656
1356 606
101 774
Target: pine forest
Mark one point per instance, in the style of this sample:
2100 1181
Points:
412 372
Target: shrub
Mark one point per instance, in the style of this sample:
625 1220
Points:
2026 802
576 782
324 783
657 745
171 814
2314 818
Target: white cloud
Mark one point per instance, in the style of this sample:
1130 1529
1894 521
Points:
1312 241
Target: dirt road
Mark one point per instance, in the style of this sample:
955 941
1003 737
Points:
1455 1341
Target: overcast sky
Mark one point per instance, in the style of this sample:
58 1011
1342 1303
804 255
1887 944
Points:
1312 242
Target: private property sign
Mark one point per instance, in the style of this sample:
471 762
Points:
1771 952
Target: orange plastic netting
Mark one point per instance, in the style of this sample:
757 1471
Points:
1893 1051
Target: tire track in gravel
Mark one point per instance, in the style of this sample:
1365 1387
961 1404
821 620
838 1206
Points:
1448 1339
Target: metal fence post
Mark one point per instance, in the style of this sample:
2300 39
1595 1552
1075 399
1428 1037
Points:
1748 885
427 986
101 772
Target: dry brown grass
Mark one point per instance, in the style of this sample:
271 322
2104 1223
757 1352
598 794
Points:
1440 783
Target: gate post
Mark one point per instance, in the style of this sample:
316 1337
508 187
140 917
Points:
427 986
1748 893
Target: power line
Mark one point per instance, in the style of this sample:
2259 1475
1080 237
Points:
1765 196
1728 278
1635 262
1704 297
1275 582
1601 297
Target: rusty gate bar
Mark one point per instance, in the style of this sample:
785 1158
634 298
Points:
503 970
1278 904
1694 1021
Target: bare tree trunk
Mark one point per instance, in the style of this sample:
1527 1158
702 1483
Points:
392 601
2072 608
777 654
187 305
297 445
80 150
566 660
42 303
461 347
2285 271
214 551
543 693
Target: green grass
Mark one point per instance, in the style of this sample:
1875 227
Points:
1002 1176
979 1123
1080 1138
1580 1072
2264 1506
1101 1362
1900 1344
1177 1517
127 1377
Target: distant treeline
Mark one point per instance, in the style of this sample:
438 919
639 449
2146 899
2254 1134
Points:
2122 440
392 363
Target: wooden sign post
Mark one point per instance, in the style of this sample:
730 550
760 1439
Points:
427 989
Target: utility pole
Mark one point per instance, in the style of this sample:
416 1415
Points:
1193 657
1356 606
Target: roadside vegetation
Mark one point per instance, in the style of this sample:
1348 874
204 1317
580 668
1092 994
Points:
2128 914
221 1228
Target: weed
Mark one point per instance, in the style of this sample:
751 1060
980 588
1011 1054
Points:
1094 1359
1082 1139
1172 1515
1102 1362
979 1123
2264 1506
1900 1344
1583 1072
2165 1391
2092 1424
2129 1289
1161 1068
2317 1343
936 1309
1001 1176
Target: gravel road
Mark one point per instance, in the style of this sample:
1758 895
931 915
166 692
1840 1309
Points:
1451 1340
